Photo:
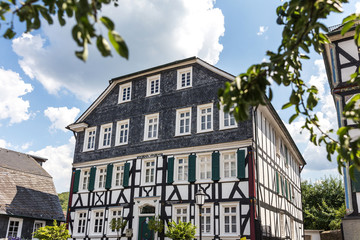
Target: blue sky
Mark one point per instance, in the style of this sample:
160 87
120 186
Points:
44 87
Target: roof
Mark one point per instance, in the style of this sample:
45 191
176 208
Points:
26 189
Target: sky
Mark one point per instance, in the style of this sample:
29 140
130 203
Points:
44 87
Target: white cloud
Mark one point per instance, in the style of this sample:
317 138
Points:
262 30
59 163
12 89
61 117
4 144
357 7
156 33
26 145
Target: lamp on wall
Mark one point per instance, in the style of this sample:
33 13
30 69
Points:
200 200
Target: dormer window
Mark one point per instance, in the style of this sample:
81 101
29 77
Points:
153 85
125 93
89 142
184 78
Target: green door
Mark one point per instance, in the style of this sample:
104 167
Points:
144 232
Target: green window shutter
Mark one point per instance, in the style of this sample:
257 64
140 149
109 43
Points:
126 175
356 181
290 190
277 183
170 177
282 185
215 166
92 179
192 168
109 173
76 181
241 163
286 189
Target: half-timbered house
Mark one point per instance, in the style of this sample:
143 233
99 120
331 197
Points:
153 138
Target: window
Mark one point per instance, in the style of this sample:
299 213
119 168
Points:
89 141
180 213
181 168
151 127
206 220
118 175
204 167
229 164
229 219
105 135
153 85
80 223
14 227
125 93
122 134
85 179
38 224
148 172
227 120
115 213
97 222
184 78
183 121
205 113
101 178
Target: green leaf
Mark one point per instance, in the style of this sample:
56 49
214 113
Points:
119 44
287 105
107 22
347 27
9 34
293 117
103 46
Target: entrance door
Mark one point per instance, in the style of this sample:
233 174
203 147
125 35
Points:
144 232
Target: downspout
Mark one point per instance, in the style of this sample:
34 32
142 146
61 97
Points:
257 166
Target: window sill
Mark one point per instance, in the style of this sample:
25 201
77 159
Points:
147 184
181 183
204 181
227 128
152 95
124 101
104 147
232 179
95 235
88 150
149 139
205 131
182 134
181 88
117 188
121 144
225 236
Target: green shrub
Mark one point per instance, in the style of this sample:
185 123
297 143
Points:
54 232
180 231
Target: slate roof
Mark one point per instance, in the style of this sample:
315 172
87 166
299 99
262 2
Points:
26 189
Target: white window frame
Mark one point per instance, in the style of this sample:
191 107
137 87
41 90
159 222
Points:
222 166
108 135
19 230
222 115
119 130
102 176
121 89
223 215
199 117
110 217
43 224
180 72
175 215
177 165
178 121
211 214
93 220
121 175
76 223
144 171
208 167
86 139
148 88
147 125
82 178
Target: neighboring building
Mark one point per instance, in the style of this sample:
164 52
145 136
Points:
153 138
28 199
341 59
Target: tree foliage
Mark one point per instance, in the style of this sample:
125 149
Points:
118 225
180 231
302 31
54 232
86 14
323 204
64 199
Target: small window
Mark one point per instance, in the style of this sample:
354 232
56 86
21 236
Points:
14 227
181 168
151 127
118 175
97 222
229 219
122 135
85 179
89 141
105 135
205 118
153 85
229 164
227 120
125 93
206 220
115 213
204 167
148 172
183 121
38 224
101 178
184 78
80 223
181 213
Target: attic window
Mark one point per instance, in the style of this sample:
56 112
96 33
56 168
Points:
184 78
125 93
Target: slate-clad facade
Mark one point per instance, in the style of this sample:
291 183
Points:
154 138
